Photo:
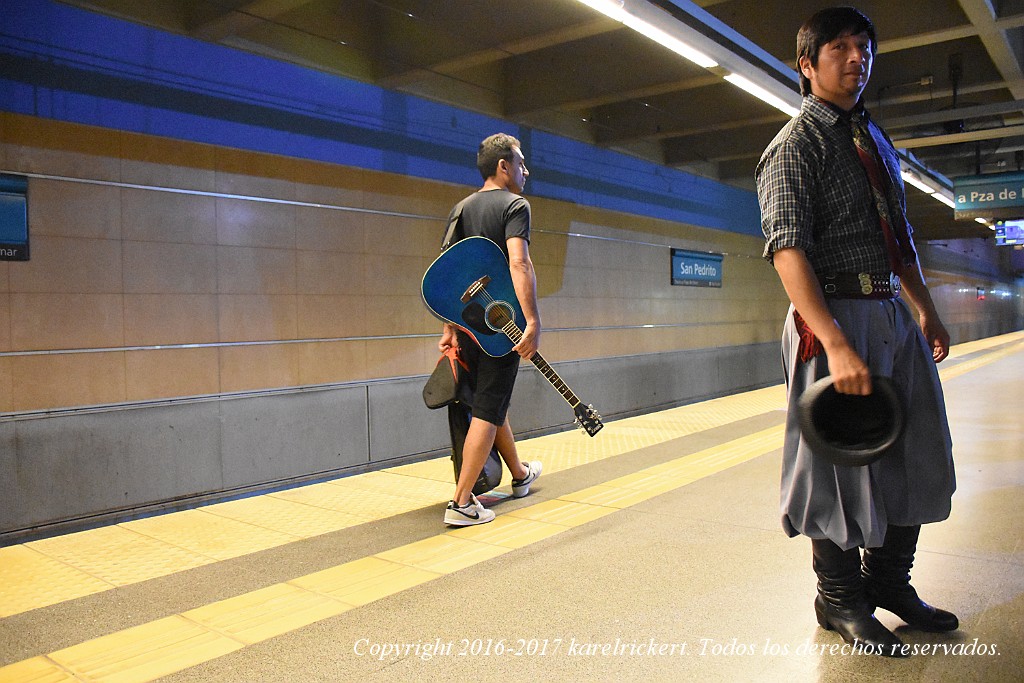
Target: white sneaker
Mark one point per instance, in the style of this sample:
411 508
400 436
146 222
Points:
521 487
467 515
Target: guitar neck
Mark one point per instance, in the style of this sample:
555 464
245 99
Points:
515 334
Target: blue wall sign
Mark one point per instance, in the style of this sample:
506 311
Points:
13 218
997 195
696 268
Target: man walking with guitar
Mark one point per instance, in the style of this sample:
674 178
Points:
499 213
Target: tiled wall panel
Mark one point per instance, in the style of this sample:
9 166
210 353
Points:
177 264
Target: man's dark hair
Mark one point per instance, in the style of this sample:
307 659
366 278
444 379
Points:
492 150
824 27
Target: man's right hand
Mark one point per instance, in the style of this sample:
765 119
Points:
448 339
850 375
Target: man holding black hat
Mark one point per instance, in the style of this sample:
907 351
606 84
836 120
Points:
833 215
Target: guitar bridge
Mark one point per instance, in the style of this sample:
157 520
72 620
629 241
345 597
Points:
475 288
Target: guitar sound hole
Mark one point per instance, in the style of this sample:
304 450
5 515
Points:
499 314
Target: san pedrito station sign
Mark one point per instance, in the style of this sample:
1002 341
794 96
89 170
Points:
696 269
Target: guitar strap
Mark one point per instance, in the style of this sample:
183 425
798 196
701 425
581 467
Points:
453 223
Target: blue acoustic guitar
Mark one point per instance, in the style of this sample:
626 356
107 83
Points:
469 286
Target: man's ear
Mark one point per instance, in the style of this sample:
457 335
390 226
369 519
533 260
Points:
805 66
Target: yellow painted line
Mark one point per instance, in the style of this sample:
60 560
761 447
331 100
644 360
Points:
512 532
562 512
360 582
145 652
265 613
608 496
37 670
442 554
149 651
656 482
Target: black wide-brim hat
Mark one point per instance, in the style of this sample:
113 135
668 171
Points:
851 430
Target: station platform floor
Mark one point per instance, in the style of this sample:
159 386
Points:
650 552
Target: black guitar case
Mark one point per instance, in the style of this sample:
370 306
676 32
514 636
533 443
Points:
459 416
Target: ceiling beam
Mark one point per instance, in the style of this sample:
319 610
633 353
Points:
501 52
560 36
982 15
237 22
970 152
1017 106
726 126
944 92
946 35
954 138
605 99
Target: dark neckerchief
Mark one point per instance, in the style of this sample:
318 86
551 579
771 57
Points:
903 250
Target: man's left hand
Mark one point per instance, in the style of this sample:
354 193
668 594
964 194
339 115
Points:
938 338
530 342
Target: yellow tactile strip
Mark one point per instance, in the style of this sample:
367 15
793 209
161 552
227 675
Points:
126 555
149 651
207 534
31 579
50 571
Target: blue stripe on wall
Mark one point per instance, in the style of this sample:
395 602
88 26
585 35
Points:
67 64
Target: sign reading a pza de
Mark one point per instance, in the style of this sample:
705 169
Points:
696 269
997 195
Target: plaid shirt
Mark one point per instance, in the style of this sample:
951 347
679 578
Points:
815 195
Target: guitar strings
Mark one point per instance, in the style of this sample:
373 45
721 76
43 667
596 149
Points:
516 335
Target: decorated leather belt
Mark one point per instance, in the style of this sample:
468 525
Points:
860 285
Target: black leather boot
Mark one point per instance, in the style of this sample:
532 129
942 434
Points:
841 605
887 582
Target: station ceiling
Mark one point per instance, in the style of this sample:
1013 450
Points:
947 84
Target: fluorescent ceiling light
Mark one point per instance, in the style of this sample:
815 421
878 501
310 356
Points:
918 182
617 11
672 43
762 94
944 199
611 9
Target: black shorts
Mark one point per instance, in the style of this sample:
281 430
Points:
490 379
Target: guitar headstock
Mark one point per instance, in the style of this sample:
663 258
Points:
587 419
